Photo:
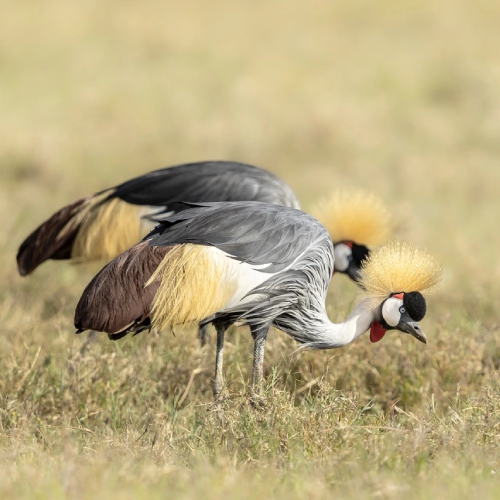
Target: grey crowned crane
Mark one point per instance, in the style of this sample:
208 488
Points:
256 264
102 226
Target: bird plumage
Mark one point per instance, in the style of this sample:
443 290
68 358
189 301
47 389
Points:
355 215
116 300
53 240
219 249
102 226
259 264
107 228
108 223
397 267
204 182
194 281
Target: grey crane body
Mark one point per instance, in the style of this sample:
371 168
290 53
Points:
287 255
153 193
292 251
208 181
292 248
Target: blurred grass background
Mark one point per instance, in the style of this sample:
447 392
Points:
402 98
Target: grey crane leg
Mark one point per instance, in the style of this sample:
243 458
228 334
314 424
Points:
90 338
219 358
203 335
259 334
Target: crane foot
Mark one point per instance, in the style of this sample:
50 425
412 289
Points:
258 401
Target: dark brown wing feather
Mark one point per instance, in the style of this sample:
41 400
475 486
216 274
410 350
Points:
116 301
43 243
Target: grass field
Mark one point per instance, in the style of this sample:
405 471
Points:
402 98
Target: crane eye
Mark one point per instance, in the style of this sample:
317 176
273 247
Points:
402 310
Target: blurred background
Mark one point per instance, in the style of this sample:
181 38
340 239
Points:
402 98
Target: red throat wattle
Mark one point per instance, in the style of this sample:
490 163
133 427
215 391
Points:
377 331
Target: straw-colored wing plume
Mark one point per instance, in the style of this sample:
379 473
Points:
195 281
108 228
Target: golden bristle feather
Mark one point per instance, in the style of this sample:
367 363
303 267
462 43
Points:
399 267
108 228
355 215
194 284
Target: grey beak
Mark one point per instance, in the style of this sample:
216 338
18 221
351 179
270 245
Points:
413 328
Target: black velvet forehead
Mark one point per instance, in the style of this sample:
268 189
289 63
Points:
359 253
415 304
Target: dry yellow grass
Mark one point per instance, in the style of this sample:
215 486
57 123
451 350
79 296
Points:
396 97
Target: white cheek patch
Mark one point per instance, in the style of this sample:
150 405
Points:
342 253
390 311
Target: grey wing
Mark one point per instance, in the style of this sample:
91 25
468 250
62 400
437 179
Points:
206 182
260 234
292 300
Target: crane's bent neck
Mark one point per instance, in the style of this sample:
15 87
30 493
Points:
332 335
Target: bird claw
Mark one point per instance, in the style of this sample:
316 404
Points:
220 395
258 401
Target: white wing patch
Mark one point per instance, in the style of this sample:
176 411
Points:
243 277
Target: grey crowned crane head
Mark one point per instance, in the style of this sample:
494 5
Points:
356 220
349 257
394 277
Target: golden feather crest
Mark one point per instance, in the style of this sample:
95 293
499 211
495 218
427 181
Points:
194 284
399 267
355 215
